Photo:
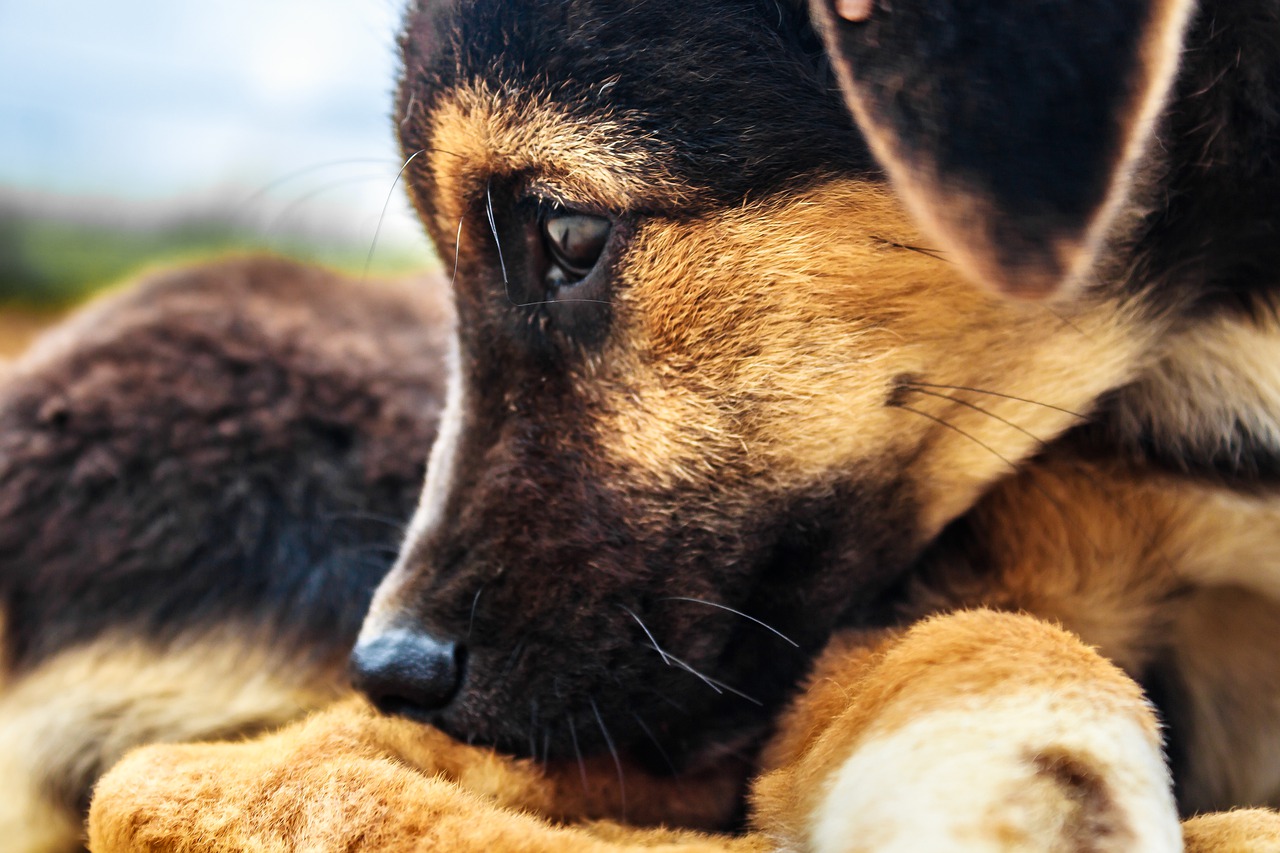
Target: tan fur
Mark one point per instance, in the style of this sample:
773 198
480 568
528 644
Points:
1224 640
76 715
758 332
1131 562
970 665
1243 831
479 134
1208 382
348 779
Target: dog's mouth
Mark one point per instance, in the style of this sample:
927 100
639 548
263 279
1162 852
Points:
669 713
682 664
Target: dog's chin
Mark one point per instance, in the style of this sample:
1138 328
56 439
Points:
704 736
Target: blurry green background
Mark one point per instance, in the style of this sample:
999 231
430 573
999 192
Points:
141 132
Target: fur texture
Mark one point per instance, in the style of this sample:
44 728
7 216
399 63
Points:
1069 753
202 478
725 393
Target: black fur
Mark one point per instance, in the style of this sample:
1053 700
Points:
584 57
1017 103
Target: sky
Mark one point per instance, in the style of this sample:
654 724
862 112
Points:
278 107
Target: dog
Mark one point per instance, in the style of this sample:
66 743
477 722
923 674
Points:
202 479
708 351
776 321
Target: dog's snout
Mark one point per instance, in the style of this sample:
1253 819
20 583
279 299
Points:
407 673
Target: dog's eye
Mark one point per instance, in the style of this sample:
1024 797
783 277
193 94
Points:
574 241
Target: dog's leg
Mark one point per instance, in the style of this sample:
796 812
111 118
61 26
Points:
976 731
1174 581
1227 832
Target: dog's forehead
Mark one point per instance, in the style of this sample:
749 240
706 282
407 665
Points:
733 97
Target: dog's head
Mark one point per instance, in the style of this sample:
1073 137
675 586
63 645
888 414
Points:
715 387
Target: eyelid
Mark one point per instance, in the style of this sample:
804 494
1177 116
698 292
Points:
549 197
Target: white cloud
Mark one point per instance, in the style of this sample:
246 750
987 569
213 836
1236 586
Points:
153 99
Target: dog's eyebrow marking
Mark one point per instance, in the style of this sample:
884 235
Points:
746 616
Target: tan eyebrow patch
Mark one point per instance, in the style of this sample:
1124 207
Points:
478 134
781 342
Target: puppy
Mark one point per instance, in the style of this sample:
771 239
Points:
201 481
724 388
774 324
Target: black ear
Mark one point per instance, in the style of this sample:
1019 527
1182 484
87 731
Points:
1011 128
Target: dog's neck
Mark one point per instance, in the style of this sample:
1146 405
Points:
1204 262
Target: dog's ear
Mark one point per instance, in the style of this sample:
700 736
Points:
1011 128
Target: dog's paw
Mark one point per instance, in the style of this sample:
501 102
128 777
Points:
975 732
1027 772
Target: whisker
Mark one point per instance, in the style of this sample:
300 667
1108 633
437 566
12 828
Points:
649 634
582 765
746 616
918 384
1038 440
671 660
617 762
936 254
396 524
533 727
373 244
1052 500
282 215
1066 321
957 429
714 683
368 549
313 168
497 241
354 559
472 621
662 753
514 658
408 109
457 251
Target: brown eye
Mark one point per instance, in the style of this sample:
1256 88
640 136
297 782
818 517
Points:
575 242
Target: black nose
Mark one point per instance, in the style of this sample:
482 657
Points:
407 673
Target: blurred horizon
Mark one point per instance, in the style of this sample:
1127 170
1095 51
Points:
142 130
